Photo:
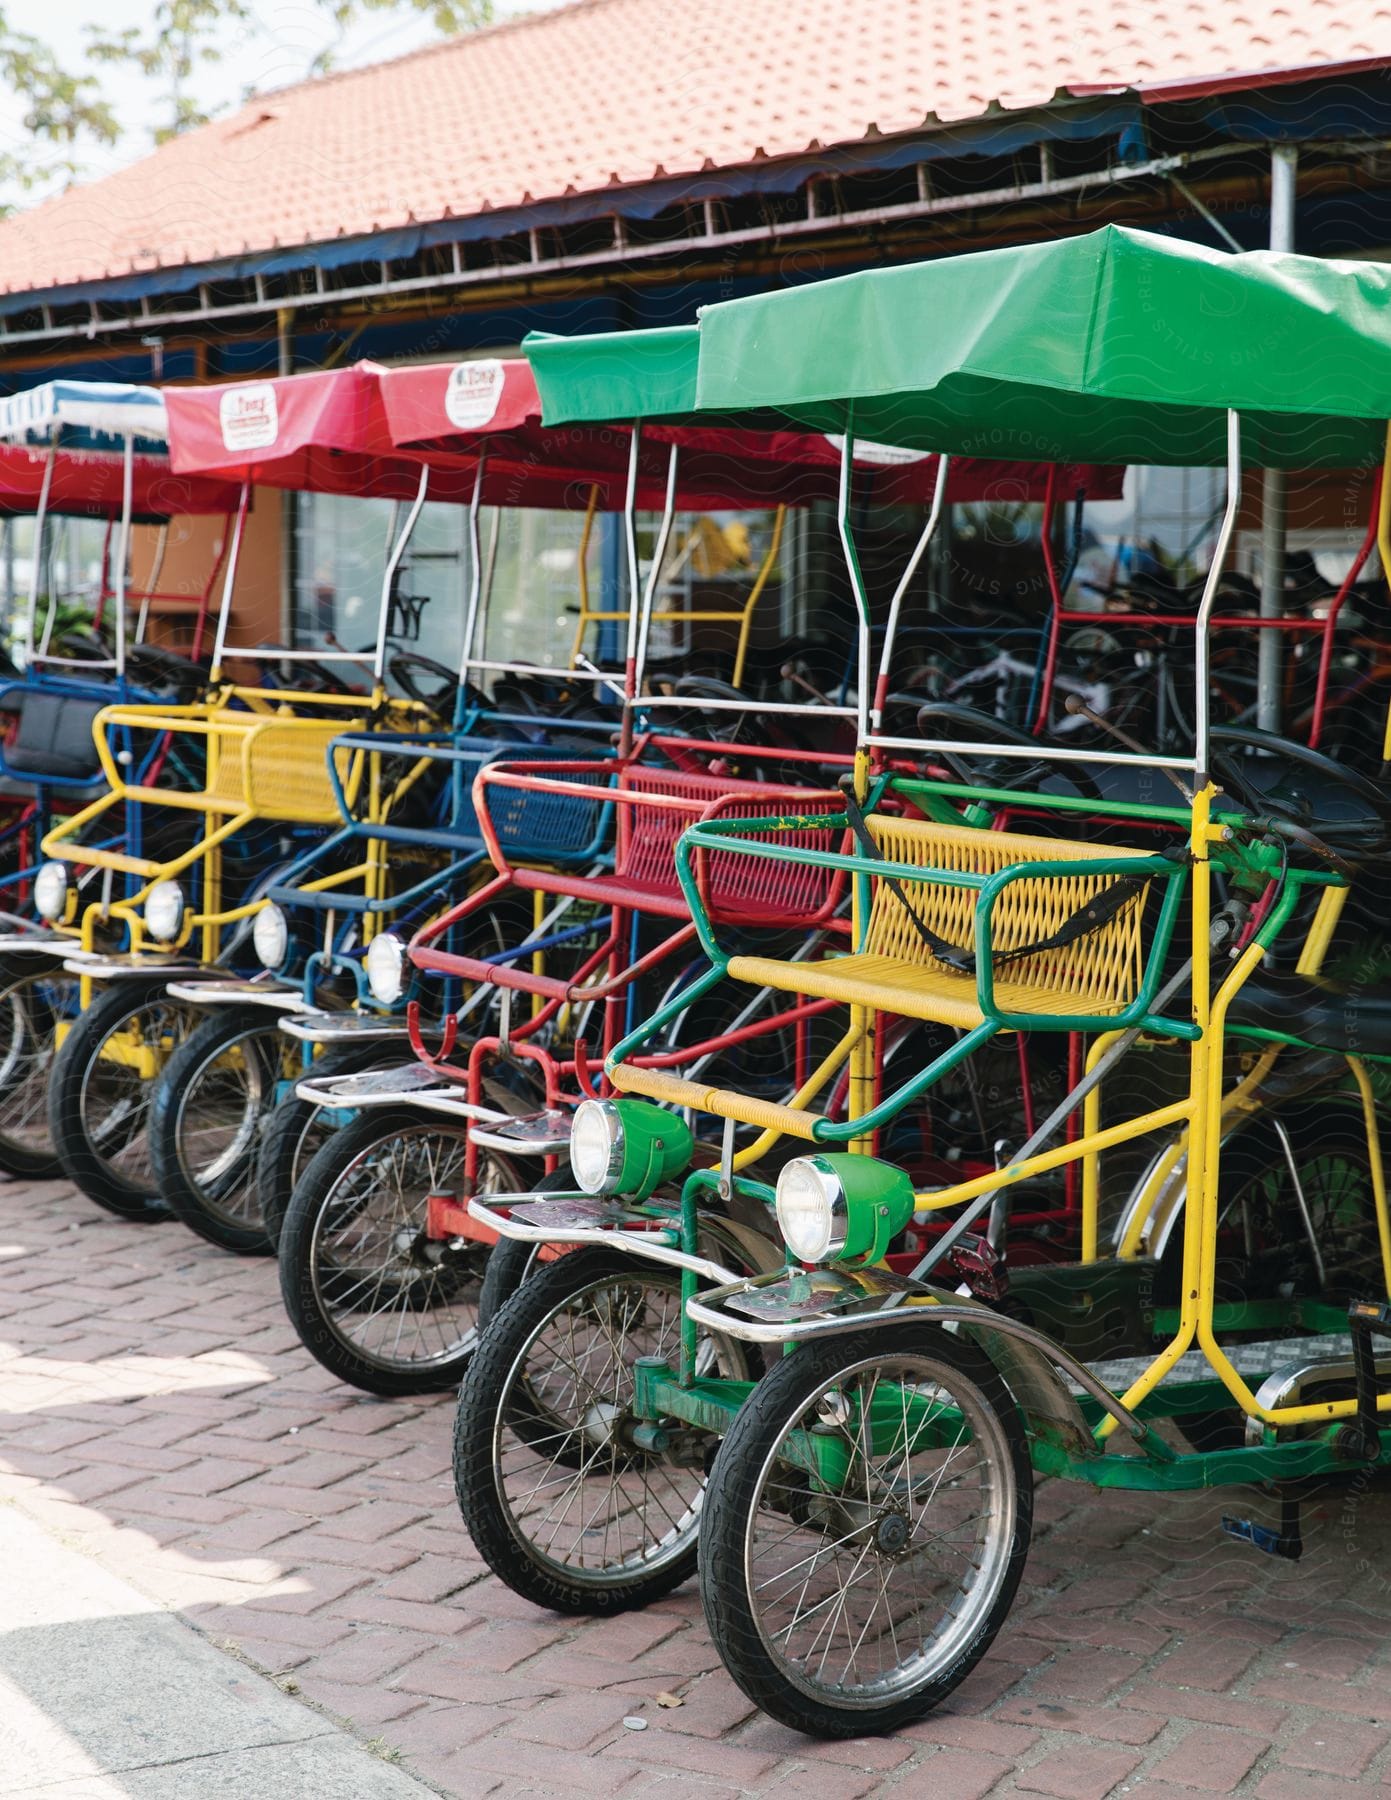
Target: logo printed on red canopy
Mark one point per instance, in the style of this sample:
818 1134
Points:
249 417
473 394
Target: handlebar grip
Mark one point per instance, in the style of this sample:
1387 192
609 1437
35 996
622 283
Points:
764 1115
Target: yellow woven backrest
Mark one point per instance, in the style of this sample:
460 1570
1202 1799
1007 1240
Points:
1101 970
277 769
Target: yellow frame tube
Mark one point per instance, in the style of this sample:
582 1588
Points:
1378 1173
1325 922
829 1065
587 617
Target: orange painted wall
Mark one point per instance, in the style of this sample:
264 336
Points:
193 545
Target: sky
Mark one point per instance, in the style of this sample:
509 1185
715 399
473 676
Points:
276 51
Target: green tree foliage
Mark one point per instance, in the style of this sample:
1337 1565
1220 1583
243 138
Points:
186 35
60 109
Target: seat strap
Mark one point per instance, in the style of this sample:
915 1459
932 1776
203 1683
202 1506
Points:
964 961
1087 919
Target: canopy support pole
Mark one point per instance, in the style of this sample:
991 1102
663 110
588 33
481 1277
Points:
1284 162
289 500
1202 697
393 563
229 582
857 588
928 533
630 546
152 584
123 551
36 560
475 588
654 572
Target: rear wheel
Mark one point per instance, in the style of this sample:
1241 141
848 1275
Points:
379 1302
36 996
100 1089
1296 1214
210 1106
866 1528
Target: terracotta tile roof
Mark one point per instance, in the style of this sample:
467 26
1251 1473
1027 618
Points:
606 92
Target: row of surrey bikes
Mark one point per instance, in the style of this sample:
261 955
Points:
800 1106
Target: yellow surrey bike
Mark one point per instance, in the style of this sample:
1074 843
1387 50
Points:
192 881
850 1450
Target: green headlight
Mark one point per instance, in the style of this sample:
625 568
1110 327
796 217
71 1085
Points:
842 1208
627 1147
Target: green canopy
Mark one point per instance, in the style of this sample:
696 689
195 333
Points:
612 375
1117 347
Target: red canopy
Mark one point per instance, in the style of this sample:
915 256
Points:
365 430
323 432
91 483
893 477
456 409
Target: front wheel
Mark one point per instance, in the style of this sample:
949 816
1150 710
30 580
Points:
297 1129
100 1088
866 1528
210 1107
36 997
378 1301
559 1485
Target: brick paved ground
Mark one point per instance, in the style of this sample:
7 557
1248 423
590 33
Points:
157 1411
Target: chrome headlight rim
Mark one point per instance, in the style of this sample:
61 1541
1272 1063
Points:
385 963
51 891
597 1147
164 911
808 1182
270 936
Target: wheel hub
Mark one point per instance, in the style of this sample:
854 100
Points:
893 1535
406 1244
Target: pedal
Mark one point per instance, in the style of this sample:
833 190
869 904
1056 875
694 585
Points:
1372 1316
1288 1541
1366 1319
978 1265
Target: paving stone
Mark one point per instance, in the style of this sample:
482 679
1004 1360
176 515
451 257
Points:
1335 1696
1079 1772
1211 1759
1084 1675
573 1721
1108 1723
1210 1709
540 1769
1293 1784
958 1775
1335 1747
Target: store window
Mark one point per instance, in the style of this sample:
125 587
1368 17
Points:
535 561
341 549
75 561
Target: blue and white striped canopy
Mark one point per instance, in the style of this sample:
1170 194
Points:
91 414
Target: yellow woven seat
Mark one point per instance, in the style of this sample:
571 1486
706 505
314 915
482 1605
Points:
914 992
1097 975
274 768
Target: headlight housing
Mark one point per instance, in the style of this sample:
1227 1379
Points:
51 891
842 1208
270 936
164 911
386 968
627 1147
